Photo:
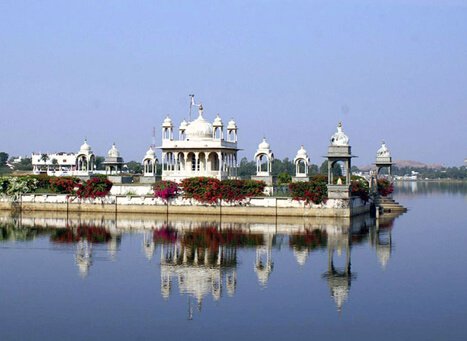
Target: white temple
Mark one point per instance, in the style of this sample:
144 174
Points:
113 162
200 150
302 165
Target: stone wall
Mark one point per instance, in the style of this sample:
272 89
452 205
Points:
260 206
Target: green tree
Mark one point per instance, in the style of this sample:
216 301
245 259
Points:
135 167
3 158
284 178
99 162
323 169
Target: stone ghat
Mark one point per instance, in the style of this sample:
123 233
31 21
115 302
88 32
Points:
260 206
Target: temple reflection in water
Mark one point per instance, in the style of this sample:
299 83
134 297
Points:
199 257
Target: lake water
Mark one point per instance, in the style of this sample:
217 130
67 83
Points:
141 277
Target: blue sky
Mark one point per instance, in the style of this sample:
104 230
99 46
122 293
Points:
288 70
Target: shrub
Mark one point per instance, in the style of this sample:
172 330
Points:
314 191
96 187
15 185
210 190
384 187
359 187
165 189
63 185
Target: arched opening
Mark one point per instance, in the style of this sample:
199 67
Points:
218 133
263 163
301 167
202 162
214 161
338 173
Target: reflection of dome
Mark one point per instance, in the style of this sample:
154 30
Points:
301 256
384 253
167 122
264 144
113 152
217 122
85 147
339 138
340 292
232 125
199 129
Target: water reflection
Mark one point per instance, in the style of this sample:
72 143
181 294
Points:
199 257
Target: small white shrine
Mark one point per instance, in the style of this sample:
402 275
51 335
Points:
302 165
200 150
85 160
264 158
383 159
113 162
150 163
339 158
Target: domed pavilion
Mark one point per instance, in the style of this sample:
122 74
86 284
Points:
200 150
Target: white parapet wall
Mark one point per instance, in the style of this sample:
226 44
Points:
134 199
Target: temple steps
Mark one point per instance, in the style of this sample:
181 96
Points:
389 205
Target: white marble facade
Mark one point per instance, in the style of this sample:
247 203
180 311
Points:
200 149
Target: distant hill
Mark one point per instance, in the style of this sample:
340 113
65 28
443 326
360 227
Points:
407 163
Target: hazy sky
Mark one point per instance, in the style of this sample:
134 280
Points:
288 70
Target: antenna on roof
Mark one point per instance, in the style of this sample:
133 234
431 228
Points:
192 103
153 145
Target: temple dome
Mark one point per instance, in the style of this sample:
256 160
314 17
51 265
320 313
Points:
302 153
85 147
183 125
150 154
339 138
167 122
113 152
199 129
383 151
217 122
231 125
264 144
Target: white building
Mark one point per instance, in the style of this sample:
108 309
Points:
65 164
200 150
58 164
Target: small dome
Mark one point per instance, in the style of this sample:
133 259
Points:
167 122
264 144
113 152
383 151
85 147
150 154
339 138
218 122
199 129
232 125
183 125
302 152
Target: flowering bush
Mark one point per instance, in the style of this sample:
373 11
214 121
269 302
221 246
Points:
210 190
14 185
315 191
359 188
385 187
165 190
96 187
64 185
